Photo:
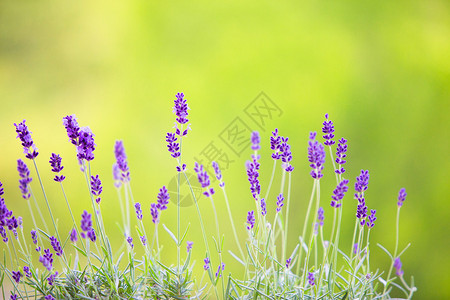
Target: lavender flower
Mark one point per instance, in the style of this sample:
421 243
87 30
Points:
250 220
13 297
55 163
181 168
143 240
73 236
203 179
355 248
312 135
56 246
339 193
130 241
25 180
316 156
86 223
154 212
27 142
181 109
220 270
163 198
51 278
218 173
96 188
280 203
288 262
206 265
286 154
1 189
72 128
311 279
3 234
47 259
401 197
341 155
275 143
398 267
172 145
255 139
372 218
189 246
263 207
328 130
91 235
121 161
362 181
253 174
361 210
27 271
49 297
86 145
117 176
16 275
137 206
34 238
320 216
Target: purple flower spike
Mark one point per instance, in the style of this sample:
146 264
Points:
401 197
320 216
27 142
361 210
16 276
137 206
182 168
189 246
280 203
263 207
372 218
73 236
72 128
203 179
1 189
255 139
286 154
130 241
341 155
86 223
143 240
13 297
47 259
275 144
328 130
220 270
250 220
56 246
312 135
206 265
91 235
181 108
25 178
338 193
86 145
316 156
163 198
49 297
3 234
311 279
51 278
172 145
253 174
155 213
355 248
96 188
117 176
218 173
362 181
398 267
121 161
288 262
34 237
27 271
55 163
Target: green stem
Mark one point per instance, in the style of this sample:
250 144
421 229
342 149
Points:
286 226
232 222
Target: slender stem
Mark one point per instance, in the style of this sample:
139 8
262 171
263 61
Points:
396 249
232 222
287 216
34 221
271 178
39 210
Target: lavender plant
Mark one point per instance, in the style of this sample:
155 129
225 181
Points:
47 263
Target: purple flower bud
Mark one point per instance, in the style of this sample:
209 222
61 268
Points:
55 163
218 173
250 220
163 198
253 174
320 216
13 297
361 210
86 223
288 262
25 180
172 145
47 259
51 278
121 161
96 188
49 297
72 128
372 218
286 154
316 156
362 181
73 236
401 197
91 235
311 279
275 144
220 269
355 248
263 207
34 236
255 139
189 246
328 130
206 265
143 240
154 212
117 176
338 193
130 241
137 206
398 267
56 246
341 155
182 168
1 189
181 108
86 145
27 142
280 203
16 275
27 271
203 179
3 234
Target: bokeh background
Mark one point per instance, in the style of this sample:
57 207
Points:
380 69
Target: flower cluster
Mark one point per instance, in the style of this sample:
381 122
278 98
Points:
328 130
253 174
362 181
280 200
206 264
6 216
338 193
96 187
263 207
250 220
163 198
82 138
138 209
181 111
27 142
72 128
288 262
220 270
25 178
255 140
320 216
121 164
286 154
189 246
371 219
55 163
401 197
172 145
34 238
47 259
73 236
341 155
398 267
203 179
130 241
27 271
311 279
218 173
56 246
51 278
154 212
275 143
316 156
86 227
16 275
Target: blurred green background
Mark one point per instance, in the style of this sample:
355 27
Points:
381 70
